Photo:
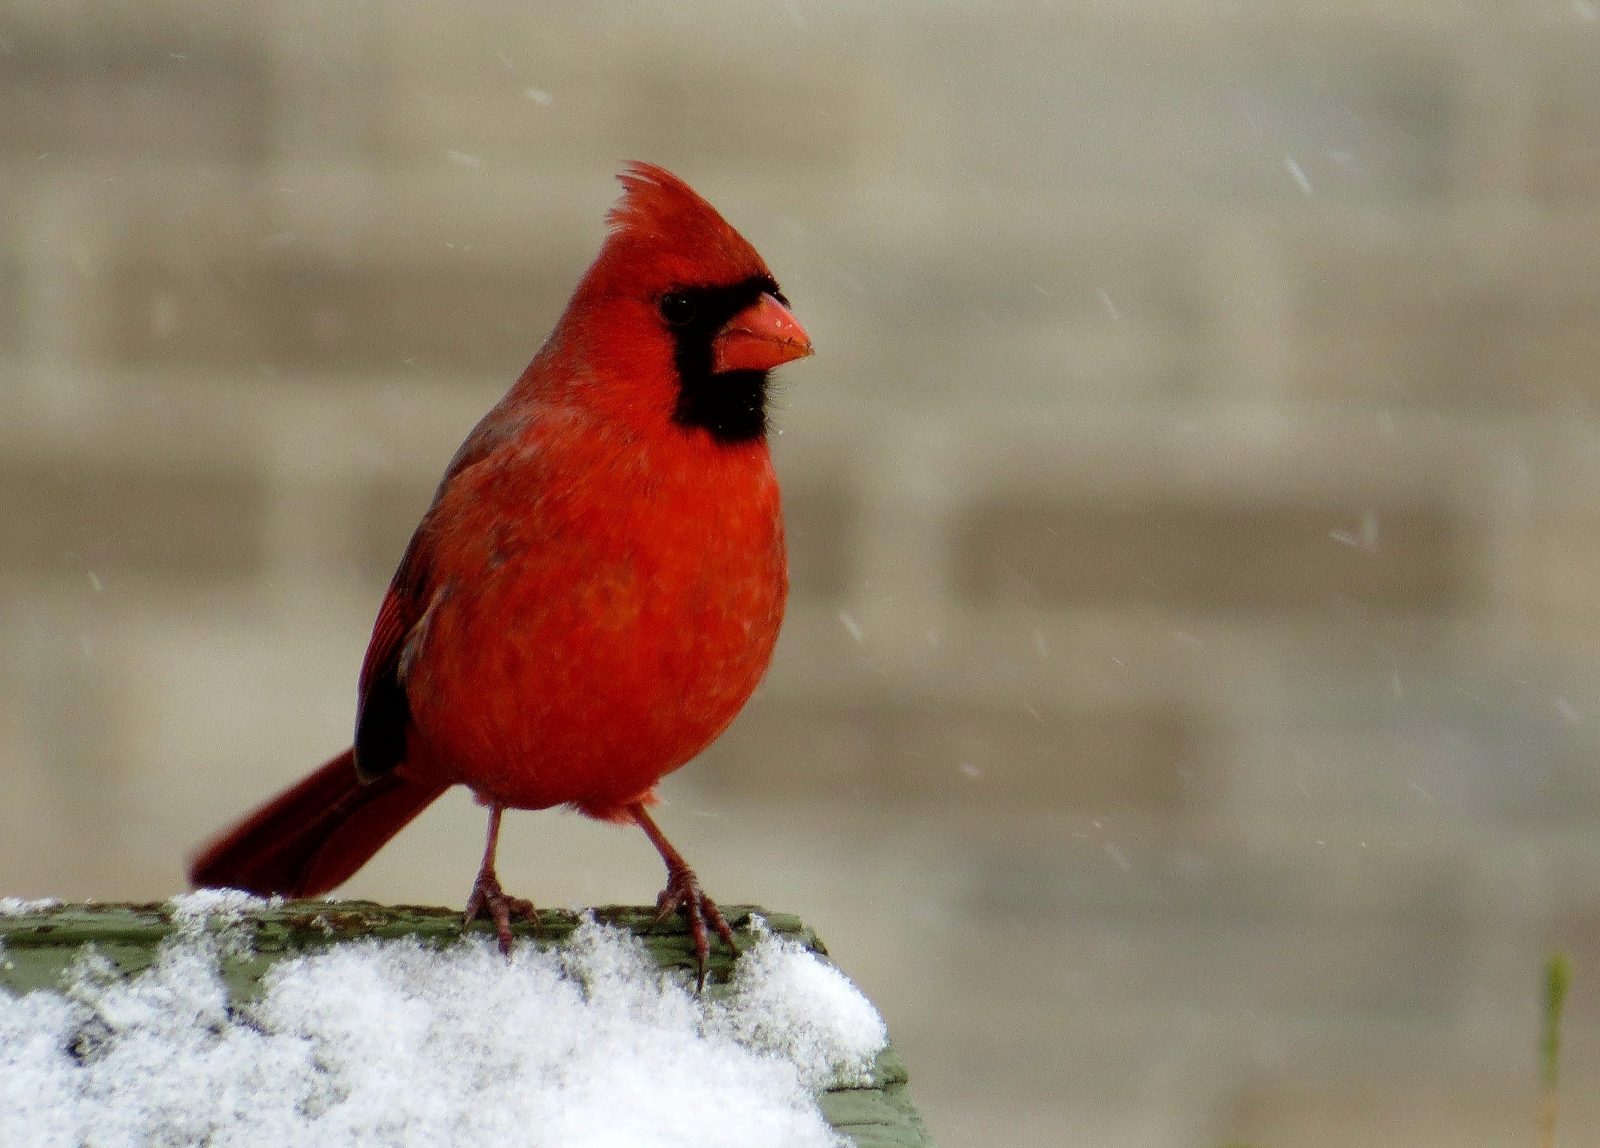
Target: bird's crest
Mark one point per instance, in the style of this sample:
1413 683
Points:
663 216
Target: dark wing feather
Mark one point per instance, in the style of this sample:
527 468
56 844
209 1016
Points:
383 712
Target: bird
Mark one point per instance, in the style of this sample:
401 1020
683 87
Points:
594 592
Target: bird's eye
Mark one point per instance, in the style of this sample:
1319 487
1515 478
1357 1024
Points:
677 309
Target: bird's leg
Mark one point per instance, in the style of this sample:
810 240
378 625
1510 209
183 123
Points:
684 895
487 894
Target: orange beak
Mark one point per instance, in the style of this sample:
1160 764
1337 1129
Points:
760 337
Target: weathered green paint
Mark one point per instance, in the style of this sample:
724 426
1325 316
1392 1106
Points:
37 949
881 1116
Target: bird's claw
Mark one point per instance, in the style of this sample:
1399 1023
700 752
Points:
684 895
501 906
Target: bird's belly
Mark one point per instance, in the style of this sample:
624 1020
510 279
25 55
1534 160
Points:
536 691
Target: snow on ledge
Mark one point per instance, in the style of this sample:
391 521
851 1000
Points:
395 1042
220 905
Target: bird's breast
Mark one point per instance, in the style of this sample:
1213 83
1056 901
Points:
602 632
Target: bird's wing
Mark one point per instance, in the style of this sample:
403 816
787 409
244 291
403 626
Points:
383 711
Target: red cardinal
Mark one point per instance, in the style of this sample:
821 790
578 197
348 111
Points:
597 587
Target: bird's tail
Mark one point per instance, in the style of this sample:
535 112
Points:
314 835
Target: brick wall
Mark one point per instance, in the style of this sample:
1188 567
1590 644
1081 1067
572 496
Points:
1192 501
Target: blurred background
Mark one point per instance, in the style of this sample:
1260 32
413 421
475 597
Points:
1186 724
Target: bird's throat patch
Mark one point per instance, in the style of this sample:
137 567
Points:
732 406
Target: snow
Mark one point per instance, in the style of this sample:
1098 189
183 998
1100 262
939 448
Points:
17 906
1299 175
789 1004
397 1043
220 905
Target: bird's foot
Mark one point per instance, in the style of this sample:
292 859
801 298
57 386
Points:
684 895
501 907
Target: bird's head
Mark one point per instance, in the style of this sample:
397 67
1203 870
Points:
680 314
